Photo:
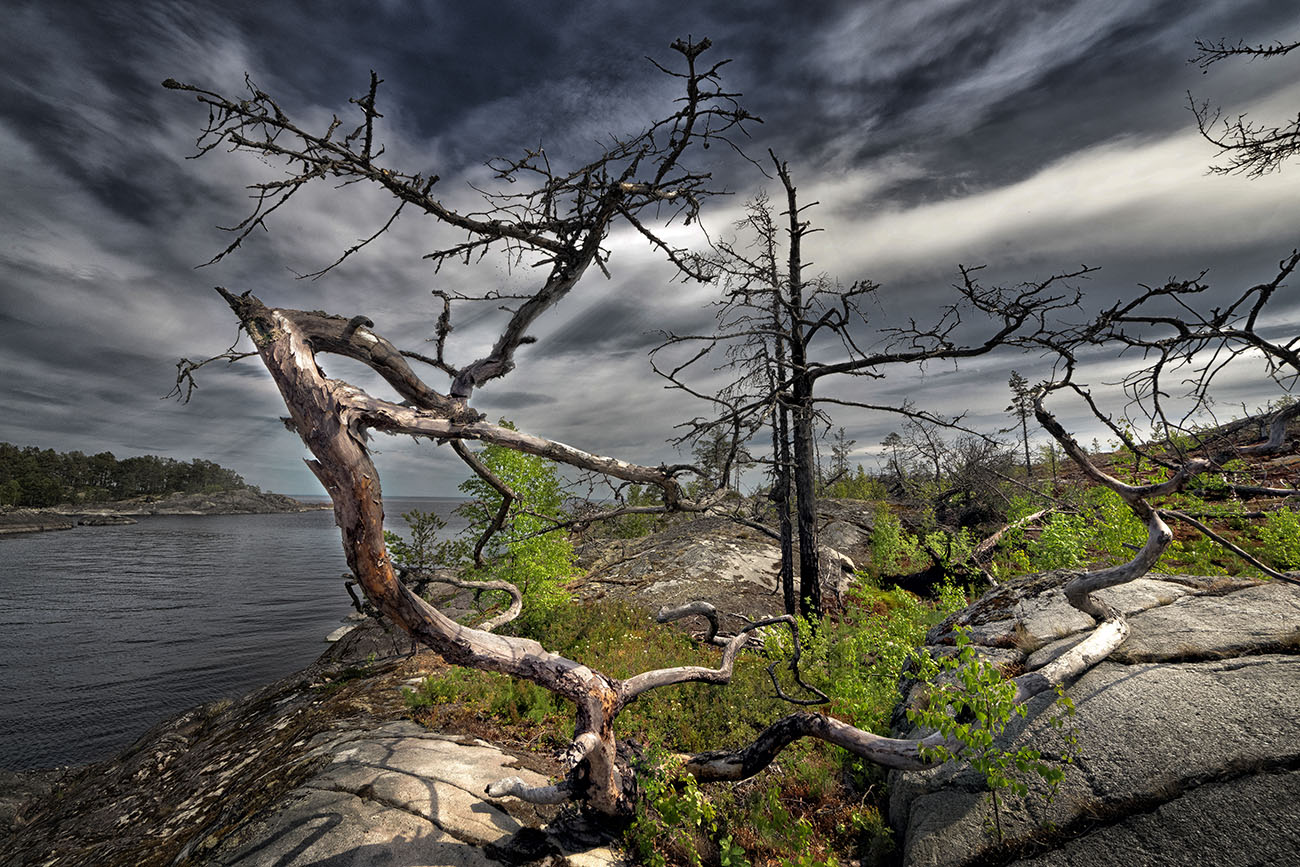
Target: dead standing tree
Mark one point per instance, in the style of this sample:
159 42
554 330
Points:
560 225
776 320
1203 345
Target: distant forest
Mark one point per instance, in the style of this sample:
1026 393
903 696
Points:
43 477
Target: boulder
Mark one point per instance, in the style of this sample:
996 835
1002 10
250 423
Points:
849 539
732 566
105 521
1186 738
836 572
713 559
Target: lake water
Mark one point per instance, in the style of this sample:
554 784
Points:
105 631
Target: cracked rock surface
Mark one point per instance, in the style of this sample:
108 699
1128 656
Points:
395 795
1187 747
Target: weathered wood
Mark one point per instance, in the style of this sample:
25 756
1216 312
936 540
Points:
803 452
326 415
901 753
333 417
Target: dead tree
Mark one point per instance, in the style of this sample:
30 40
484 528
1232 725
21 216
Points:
751 317
1251 148
1185 351
560 225
771 310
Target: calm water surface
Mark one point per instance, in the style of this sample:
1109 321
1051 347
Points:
105 631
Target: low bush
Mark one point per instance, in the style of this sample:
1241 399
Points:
817 801
1280 537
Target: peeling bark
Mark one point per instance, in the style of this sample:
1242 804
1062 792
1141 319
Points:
332 422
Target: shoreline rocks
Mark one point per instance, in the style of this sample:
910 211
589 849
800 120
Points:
1185 746
33 521
320 765
240 502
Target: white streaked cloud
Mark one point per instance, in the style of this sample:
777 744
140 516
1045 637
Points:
1129 196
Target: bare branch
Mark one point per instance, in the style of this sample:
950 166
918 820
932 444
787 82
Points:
1293 578
1209 53
1249 148
563 221
508 497
185 372
648 680
511 613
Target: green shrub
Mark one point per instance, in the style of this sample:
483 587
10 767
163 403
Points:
799 815
857 660
892 547
1281 538
952 548
522 552
674 818
1113 524
970 703
858 486
1062 542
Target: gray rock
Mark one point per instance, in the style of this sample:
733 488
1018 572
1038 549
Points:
397 792
1259 836
713 559
1180 762
849 538
1033 613
339 828
340 632
1260 619
1169 610
859 513
105 521
319 768
32 521
836 570
717 560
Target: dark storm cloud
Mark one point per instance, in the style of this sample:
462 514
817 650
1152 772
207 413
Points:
614 326
1028 136
984 93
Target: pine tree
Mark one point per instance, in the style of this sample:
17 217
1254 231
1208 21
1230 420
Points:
1022 404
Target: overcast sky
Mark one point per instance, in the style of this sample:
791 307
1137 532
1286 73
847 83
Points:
1031 137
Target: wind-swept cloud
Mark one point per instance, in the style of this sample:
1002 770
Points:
1032 137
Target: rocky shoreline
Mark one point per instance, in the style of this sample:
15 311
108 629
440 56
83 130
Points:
66 517
320 765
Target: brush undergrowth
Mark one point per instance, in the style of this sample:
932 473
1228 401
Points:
814 802
818 804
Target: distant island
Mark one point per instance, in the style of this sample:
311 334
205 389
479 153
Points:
41 489
31 477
